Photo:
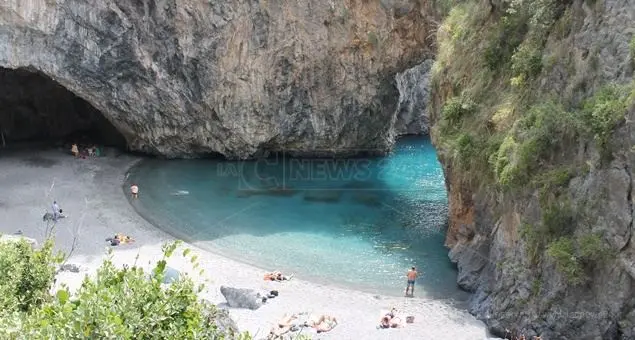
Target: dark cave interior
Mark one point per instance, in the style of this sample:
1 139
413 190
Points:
36 110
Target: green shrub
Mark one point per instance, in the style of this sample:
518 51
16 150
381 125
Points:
527 61
592 248
124 303
604 111
27 275
558 219
632 48
562 251
502 41
533 139
455 109
533 242
572 258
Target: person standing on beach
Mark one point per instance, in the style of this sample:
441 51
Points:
56 211
412 276
74 150
134 190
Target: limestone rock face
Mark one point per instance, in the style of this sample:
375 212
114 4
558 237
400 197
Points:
517 284
414 92
184 77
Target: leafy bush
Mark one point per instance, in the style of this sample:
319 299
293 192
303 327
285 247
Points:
593 249
123 303
456 108
563 253
527 61
558 219
605 110
502 41
573 257
27 275
534 137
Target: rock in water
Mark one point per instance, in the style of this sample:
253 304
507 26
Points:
242 298
189 77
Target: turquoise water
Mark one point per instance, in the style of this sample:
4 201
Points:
357 222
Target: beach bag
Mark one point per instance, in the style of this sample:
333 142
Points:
410 319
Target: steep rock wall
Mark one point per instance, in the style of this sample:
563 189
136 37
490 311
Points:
533 103
180 77
413 84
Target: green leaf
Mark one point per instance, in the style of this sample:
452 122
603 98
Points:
62 296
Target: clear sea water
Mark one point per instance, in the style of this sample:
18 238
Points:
360 223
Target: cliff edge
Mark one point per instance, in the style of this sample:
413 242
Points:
532 115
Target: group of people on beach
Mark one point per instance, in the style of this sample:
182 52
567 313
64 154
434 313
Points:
325 323
83 152
321 323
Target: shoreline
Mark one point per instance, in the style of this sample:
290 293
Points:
90 192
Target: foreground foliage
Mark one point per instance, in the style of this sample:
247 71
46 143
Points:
126 303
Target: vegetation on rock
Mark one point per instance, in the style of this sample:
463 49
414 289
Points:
514 142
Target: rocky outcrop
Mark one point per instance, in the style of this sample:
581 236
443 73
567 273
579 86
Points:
521 247
242 298
183 77
413 84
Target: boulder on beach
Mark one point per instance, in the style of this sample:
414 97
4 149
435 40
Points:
224 323
69 267
242 298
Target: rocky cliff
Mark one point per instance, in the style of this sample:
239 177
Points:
532 114
239 78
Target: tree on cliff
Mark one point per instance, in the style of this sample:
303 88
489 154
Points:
126 303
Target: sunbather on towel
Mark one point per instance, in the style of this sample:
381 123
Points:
324 323
276 276
283 327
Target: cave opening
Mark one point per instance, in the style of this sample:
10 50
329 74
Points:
37 111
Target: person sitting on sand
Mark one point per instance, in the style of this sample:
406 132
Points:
74 150
324 323
283 327
276 276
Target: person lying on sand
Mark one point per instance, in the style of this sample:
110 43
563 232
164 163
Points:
390 320
284 326
324 323
119 239
276 276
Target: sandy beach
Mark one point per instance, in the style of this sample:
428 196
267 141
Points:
90 193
